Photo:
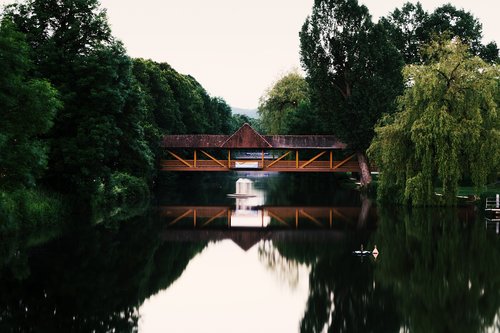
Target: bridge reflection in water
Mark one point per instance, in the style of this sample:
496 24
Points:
190 223
270 217
250 220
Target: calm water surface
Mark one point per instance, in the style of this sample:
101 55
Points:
256 253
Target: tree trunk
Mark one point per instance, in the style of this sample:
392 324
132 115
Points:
366 177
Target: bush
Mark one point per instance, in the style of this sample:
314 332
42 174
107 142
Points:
123 197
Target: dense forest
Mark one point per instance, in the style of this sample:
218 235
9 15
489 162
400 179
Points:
80 118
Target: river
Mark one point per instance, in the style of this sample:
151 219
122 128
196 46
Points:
250 252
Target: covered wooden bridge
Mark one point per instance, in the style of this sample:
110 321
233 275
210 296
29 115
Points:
248 150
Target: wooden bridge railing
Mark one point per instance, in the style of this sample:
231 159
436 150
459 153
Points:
279 164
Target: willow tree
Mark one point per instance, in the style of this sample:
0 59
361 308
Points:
353 70
447 128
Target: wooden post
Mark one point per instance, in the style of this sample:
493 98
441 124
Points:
195 158
194 218
229 158
297 159
331 159
296 218
262 158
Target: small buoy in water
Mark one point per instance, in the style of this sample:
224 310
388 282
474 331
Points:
375 252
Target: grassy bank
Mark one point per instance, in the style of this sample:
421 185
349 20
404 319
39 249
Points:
28 209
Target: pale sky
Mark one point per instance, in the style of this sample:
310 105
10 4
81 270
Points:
238 48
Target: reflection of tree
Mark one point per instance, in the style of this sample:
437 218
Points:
91 280
286 270
446 274
323 189
343 294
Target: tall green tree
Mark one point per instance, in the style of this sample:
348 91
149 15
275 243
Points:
73 48
27 109
353 70
411 28
406 29
281 105
447 128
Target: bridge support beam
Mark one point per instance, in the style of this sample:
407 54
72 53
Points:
312 159
177 157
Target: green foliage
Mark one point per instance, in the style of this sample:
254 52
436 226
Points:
22 210
353 70
406 28
238 120
447 127
177 103
27 108
411 29
283 106
97 125
456 22
121 198
101 126
159 98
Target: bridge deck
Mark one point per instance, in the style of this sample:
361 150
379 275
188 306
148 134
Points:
260 165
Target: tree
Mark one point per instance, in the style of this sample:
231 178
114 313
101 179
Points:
406 29
177 103
411 29
282 101
447 127
159 98
457 23
353 70
99 130
238 120
27 108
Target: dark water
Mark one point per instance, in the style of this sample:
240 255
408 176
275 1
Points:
198 262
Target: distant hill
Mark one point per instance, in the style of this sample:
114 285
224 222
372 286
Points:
252 113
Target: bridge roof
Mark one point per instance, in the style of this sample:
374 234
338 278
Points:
247 138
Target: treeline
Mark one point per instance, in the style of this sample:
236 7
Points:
422 84
79 116
295 104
